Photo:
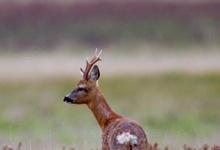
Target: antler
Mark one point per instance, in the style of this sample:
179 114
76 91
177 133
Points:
89 64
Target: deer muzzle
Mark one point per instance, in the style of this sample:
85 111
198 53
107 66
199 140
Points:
70 98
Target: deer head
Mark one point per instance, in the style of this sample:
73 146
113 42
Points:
86 89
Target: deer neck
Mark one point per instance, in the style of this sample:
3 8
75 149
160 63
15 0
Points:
102 111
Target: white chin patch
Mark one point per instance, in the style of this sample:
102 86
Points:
126 138
66 103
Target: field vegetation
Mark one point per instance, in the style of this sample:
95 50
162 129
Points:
173 108
43 25
161 67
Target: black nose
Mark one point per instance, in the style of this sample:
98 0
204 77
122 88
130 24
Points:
68 100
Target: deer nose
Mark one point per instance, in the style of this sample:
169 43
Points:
68 100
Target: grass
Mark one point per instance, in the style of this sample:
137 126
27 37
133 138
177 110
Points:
186 106
154 146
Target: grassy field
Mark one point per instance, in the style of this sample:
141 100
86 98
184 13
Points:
173 108
161 67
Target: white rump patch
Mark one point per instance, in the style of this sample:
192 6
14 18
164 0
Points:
82 86
126 138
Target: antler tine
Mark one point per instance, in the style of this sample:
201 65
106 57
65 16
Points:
95 57
82 70
89 63
100 52
96 50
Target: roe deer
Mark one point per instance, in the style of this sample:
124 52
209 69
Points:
118 132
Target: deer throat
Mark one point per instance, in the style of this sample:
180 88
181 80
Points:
102 111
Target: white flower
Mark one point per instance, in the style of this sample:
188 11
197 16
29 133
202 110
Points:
126 138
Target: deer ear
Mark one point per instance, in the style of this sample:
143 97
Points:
95 73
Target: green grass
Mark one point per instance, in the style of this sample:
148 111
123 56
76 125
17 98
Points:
184 105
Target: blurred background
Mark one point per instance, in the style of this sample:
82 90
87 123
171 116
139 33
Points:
161 67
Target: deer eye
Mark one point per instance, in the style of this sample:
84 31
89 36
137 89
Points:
82 89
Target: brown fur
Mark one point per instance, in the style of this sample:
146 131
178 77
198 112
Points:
111 123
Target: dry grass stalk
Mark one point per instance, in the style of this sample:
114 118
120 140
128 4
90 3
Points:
7 147
154 146
204 147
